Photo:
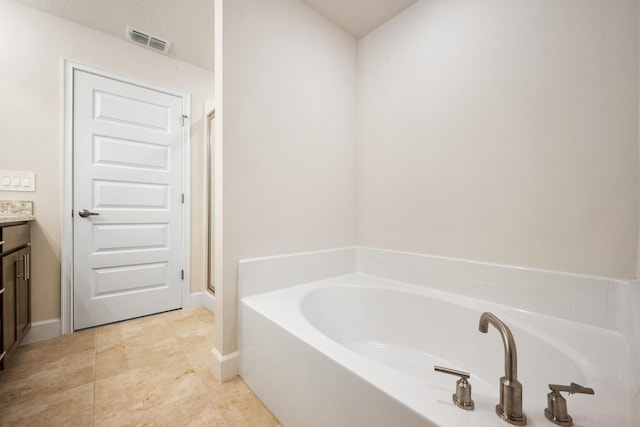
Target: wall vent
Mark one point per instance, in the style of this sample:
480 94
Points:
148 40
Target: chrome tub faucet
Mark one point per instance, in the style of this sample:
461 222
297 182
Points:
510 407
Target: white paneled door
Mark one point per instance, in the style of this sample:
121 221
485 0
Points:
128 147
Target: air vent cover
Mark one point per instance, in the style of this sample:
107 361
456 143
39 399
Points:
148 40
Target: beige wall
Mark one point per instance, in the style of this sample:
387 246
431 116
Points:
288 123
32 48
503 131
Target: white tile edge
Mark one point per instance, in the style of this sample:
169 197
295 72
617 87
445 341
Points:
493 264
295 254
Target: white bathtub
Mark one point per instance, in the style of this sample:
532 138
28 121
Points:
359 350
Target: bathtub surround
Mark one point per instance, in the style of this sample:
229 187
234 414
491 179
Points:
299 340
590 300
595 301
260 275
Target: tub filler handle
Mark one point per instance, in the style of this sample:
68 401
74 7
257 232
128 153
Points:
556 411
462 397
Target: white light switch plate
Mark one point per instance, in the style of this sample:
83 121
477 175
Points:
17 181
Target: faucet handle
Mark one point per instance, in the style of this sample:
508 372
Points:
573 388
462 397
556 411
450 371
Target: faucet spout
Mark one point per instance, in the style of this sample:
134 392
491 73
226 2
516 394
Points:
510 406
510 353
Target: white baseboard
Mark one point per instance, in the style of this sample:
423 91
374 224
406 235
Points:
205 299
48 329
225 367
208 300
43 330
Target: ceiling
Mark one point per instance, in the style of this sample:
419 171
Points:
190 29
358 17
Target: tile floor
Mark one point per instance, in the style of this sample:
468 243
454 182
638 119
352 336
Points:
152 371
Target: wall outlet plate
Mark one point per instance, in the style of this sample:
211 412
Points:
17 181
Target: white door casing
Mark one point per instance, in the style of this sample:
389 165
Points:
128 154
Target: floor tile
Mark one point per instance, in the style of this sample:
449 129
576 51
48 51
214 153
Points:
148 347
51 350
194 331
209 417
116 333
45 378
164 393
151 371
71 407
239 406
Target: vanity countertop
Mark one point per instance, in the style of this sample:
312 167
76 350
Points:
8 218
15 211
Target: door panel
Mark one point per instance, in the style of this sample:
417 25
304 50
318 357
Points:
121 109
130 195
114 280
109 151
119 237
128 157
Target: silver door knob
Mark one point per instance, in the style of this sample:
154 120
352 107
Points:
86 212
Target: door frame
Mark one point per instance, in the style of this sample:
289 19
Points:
67 266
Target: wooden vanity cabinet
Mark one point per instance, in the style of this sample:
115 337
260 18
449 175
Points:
15 288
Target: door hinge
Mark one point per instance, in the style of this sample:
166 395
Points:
183 198
182 118
182 274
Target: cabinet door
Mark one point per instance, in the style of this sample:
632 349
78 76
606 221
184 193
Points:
2 352
10 331
23 291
